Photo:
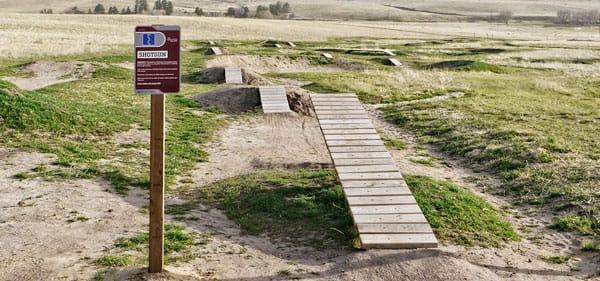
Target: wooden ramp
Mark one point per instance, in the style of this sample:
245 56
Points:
384 210
215 51
274 99
394 62
233 75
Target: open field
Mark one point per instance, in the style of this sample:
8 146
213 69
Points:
336 9
506 172
25 35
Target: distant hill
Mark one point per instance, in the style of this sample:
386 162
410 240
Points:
337 9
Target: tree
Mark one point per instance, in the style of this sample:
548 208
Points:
286 9
505 16
230 12
128 11
169 8
46 11
99 9
158 5
198 11
263 12
141 6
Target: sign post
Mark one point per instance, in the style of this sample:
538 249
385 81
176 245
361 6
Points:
157 72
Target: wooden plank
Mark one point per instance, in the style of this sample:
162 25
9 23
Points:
354 143
354 162
157 183
327 103
335 99
274 99
394 62
327 56
341 112
339 107
359 155
366 125
352 137
370 176
345 121
349 131
395 228
347 149
334 95
377 191
343 116
367 168
386 209
381 200
374 183
399 241
233 75
389 218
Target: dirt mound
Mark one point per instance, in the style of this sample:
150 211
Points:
448 64
252 78
211 75
230 100
41 74
299 100
279 64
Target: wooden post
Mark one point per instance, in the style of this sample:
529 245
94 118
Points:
157 182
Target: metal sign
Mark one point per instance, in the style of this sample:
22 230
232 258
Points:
157 59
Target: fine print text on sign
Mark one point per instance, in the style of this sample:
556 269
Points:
157 59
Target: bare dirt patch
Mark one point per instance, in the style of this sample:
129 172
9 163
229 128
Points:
279 64
230 100
55 230
41 74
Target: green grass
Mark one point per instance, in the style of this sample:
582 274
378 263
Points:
537 137
459 216
556 259
175 240
76 122
590 246
115 261
394 143
306 207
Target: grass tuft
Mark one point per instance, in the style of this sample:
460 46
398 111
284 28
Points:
459 216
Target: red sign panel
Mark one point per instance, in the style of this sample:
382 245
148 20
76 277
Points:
157 59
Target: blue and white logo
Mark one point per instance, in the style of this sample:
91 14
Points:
150 39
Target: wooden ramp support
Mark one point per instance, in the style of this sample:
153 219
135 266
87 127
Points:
384 210
327 55
233 75
215 51
274 99
394 62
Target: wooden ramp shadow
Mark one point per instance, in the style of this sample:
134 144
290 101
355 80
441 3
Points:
233 75
274 99
383 208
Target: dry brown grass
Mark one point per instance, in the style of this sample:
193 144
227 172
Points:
27 35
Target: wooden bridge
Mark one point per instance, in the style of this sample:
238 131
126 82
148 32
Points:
383 208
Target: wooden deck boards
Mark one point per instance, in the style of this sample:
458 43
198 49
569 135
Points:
233 75
383 208
274 99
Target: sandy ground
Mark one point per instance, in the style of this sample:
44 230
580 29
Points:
41 74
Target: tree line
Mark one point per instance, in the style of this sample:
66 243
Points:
277 10
589 17
140 7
